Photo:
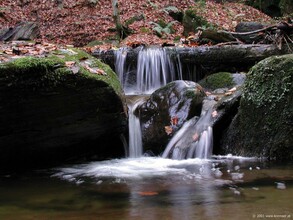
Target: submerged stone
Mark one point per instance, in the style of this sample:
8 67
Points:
66 106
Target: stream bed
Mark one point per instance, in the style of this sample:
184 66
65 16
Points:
224 187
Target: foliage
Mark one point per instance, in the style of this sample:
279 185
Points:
161 28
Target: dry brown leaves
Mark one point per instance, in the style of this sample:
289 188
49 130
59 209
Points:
78 22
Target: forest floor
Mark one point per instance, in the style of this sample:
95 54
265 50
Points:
78 22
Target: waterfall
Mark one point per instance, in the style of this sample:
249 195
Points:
120 58
135 138
154 69
194 139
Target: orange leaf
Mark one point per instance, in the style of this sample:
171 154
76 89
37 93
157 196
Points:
174 120
148 193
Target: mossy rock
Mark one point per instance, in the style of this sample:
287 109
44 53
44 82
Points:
51 111
263 126
217 80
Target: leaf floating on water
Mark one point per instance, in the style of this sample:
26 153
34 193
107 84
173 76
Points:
148 193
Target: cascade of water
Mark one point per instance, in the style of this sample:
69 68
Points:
120 58
135 138
193 140
155 69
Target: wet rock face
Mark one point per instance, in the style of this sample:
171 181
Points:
50 114
166 110
263 125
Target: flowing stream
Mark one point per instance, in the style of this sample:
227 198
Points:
193 185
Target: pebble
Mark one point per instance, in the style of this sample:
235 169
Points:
281 185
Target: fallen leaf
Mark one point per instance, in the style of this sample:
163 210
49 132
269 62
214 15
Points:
69 63
174 120
148 193
168 130
232 90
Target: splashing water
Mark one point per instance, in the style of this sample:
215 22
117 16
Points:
193 140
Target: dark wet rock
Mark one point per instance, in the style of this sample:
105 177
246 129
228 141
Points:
22 31
248 26
51 113
264 124
226 108
178 100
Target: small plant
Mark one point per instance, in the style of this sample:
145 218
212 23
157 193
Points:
162 28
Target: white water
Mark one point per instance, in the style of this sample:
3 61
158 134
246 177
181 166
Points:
135 138
193 140
128 169
120 58
154 70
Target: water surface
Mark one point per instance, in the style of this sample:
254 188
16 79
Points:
152 188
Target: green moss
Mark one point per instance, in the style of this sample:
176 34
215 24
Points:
217 80
134 19
45 73
31 72
145 30
266 109
94 43
261 93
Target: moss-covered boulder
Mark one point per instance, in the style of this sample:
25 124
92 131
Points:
68 105
264 123
166 110
217 80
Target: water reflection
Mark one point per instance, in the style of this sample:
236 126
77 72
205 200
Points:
151 188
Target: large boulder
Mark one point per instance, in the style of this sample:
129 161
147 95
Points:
166 110
263 125
22 31
66 106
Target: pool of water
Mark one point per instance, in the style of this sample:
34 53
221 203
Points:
224 187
